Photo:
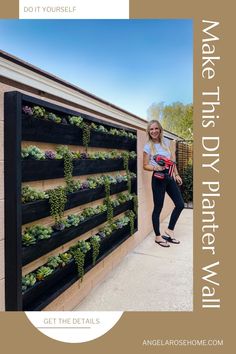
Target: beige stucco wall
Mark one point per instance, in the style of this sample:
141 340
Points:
78 290
2 268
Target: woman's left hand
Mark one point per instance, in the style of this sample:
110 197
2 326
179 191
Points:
178 179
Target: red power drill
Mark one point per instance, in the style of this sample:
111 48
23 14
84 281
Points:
166 163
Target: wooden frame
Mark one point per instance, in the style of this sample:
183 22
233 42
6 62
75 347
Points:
18 127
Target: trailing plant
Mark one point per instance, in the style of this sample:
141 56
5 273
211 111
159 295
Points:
129 182
68 170
125 156
95 243
135 203
86 135
130 214
107 199
32 152
57 200
29 194
78 252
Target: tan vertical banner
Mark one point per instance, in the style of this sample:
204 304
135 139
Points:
209 327
213 192
10 9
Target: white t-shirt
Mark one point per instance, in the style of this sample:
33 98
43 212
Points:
159 150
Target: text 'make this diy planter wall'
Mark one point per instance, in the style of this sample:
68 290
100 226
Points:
45 225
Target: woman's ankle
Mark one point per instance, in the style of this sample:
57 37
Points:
158 237
169 232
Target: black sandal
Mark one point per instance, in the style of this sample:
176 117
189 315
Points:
162 243
171 239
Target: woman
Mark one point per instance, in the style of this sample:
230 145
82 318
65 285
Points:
157 145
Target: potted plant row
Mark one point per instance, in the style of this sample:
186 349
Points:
36 205
38 240
40 165
49 125
48 281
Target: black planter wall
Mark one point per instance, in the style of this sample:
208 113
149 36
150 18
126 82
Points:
20 127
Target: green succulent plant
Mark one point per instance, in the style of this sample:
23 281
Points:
28 239
29 194
34 233
102 129
114 131
43 272
73 220
54 118
32 152
54 262
75 120
39 112
28 281
65 257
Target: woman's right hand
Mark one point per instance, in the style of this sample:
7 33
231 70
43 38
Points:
158 168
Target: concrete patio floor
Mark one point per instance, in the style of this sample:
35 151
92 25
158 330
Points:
150 278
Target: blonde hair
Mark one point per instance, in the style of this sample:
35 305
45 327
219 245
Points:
161 137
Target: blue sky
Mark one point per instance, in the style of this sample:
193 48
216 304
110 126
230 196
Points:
130 63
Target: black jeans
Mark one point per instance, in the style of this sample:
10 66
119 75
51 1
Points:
159 187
